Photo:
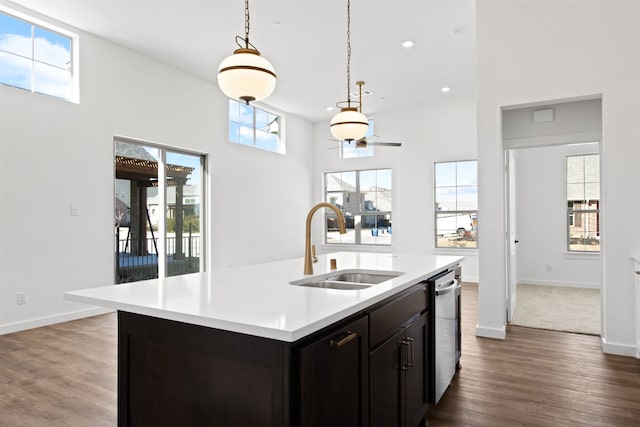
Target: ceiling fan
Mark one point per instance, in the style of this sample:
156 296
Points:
363 142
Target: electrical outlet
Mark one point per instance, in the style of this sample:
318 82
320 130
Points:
21 298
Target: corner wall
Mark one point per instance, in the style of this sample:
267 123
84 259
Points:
532 51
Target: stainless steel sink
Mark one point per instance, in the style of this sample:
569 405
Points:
353 279
369 278
332 284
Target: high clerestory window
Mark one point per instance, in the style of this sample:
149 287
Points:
37 57
255 127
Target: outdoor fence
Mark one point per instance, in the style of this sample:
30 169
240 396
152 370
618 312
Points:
137 259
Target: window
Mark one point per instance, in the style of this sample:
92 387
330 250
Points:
158 216
583 203
365 199
456 204
249 125
351 149
36 58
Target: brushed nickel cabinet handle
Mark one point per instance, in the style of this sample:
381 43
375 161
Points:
410 351
346 339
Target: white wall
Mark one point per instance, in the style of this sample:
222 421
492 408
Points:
533 51
542 221
440 131
54 154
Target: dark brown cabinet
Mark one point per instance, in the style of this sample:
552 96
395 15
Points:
398 382
371 369
398 360
334 373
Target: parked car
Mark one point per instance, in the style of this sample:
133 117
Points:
454 223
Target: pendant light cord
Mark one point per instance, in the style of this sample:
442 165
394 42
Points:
348 52
246 22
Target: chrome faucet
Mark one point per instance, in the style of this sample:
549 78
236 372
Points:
308 264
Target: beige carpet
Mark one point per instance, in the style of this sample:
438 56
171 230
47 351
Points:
558 309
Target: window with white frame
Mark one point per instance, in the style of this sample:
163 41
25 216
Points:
583 203
365 199
352 149
255 127
36 57
456 204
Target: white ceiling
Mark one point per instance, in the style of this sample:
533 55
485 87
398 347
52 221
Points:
305 40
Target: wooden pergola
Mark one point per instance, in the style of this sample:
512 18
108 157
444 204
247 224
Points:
143 173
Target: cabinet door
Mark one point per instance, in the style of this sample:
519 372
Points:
415 387
334 373
386 373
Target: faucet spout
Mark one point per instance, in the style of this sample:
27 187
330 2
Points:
308 264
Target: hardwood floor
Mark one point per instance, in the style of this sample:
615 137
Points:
65 375
60 375
537 378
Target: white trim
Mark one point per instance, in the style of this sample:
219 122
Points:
584 256
455 251
50 320
561 283
486 332
551 140
619 349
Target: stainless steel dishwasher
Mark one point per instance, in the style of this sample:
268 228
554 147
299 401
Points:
446 331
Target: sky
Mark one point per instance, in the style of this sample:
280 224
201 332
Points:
34 58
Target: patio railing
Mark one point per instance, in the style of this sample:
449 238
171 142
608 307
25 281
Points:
137 259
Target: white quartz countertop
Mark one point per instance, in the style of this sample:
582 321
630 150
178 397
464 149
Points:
259 300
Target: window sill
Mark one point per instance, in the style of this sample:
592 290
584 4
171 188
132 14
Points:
582 255
454 251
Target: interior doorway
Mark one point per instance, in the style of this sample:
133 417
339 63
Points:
552 236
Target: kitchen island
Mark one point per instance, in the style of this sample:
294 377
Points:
243 346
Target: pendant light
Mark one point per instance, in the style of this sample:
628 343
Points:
245 75
349 124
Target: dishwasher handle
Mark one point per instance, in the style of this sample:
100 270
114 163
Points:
450 288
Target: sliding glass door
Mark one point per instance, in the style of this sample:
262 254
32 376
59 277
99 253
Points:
158 211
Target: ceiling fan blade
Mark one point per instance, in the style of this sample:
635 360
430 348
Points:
386 144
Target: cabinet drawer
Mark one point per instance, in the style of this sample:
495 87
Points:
385 320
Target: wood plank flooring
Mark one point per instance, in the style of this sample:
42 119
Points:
537 378
65 375
60 375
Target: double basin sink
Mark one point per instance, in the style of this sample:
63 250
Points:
353 279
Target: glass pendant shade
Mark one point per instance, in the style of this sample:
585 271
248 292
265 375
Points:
349 125
246 76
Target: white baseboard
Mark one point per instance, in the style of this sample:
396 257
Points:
619 349
51 320
467 278
497 333
563 283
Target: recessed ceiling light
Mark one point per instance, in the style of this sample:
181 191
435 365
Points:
365 92
329 108
408 43
445 89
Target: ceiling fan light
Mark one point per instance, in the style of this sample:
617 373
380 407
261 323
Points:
349 125
246 76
